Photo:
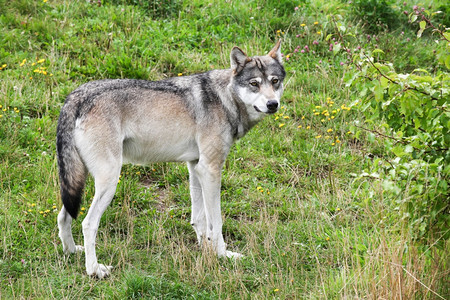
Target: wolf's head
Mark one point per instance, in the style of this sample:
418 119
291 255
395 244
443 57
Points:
258 80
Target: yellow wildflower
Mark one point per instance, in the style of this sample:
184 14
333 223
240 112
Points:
281 125
330 130
316 23
303 24
319 136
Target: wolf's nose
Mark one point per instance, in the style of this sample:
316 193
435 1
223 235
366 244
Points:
272 105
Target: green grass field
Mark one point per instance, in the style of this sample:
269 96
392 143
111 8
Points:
300 197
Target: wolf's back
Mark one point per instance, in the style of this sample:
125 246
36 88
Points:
72 171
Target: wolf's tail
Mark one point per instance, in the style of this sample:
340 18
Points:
72 171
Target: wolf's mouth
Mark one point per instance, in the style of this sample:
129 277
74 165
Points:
267 112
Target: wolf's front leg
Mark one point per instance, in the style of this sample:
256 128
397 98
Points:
105 187
198 218
209 176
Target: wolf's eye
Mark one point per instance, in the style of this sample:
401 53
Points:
275 81
253 83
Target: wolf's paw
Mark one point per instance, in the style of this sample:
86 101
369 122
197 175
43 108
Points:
100 271
73 249
234 255
79 248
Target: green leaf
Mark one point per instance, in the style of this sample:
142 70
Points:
377 51
378 91
420 70
384 82
419 33
447 35
422 25
398 151
447 61
336 48
409 149
328 37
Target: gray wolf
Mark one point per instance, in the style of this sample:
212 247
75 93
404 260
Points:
104 124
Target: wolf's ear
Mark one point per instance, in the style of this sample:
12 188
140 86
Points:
275 53
238 59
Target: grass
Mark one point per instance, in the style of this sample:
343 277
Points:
291 198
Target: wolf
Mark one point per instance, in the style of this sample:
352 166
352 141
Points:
195 119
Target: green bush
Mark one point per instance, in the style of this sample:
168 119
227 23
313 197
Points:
154 8
415 127
375 15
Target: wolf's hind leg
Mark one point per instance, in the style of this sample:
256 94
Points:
65 232
198 218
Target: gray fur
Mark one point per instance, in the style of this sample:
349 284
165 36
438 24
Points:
106 123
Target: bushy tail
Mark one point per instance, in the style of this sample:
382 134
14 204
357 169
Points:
72 171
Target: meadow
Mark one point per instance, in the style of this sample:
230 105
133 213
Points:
342 194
